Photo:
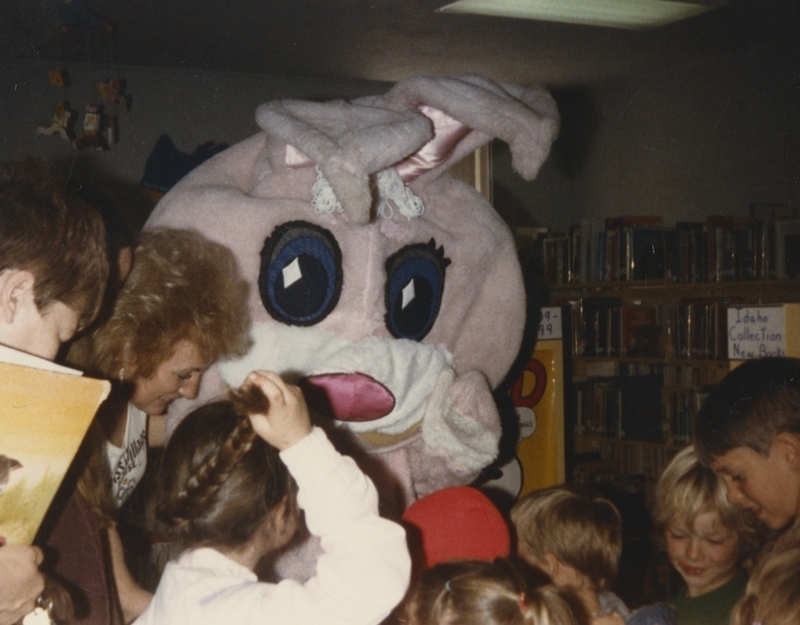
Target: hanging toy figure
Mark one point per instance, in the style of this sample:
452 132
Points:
62 116
59 77
95 129
113 92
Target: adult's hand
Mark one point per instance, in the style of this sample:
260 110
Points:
21 582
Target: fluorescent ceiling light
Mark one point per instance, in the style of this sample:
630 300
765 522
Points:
614 13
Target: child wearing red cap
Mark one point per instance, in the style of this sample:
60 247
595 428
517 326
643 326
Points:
456 523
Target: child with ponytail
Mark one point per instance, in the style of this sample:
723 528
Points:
231 488
476 592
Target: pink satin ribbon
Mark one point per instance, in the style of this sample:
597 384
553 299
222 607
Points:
447 132
295 158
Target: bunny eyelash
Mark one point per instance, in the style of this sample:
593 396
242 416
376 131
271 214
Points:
392 193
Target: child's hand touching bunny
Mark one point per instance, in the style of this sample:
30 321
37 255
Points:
286 420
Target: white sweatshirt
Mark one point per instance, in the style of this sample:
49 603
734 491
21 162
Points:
362 573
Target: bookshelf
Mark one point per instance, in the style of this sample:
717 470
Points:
643 346
629 413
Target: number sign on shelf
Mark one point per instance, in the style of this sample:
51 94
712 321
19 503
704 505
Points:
549 323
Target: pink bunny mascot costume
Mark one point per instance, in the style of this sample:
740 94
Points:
389 290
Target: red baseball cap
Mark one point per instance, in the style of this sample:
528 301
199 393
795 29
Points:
456 523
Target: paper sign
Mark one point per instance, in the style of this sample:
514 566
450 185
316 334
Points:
549 323
756 332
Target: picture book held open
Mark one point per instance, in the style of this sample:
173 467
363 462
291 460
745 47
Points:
45 411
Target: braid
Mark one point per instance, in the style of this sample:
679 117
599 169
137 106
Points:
211 474
220 482
248 400
203 484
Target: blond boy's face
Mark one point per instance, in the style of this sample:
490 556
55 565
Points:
770 486
706 554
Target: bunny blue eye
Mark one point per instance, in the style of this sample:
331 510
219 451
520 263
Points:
301 273
414 287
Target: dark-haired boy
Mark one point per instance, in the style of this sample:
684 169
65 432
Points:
748 432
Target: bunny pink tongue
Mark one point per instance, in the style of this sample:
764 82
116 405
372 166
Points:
348 396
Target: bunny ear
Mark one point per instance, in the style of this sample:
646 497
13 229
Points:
347 141
350 141
525 118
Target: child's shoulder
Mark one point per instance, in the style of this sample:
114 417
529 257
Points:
656 614
781 542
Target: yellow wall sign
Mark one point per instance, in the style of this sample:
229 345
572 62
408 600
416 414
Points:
538 395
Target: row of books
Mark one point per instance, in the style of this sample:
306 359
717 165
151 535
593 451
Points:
698 329
647 461
637 408
674 375
604 327
625 408
641 248
679 412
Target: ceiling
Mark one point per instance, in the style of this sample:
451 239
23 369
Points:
380 40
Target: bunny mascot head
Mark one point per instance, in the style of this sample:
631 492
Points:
390 291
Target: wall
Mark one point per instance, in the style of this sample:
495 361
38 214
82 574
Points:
696 139
685 142
191 107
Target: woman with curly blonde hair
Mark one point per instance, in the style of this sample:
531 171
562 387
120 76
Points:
183 307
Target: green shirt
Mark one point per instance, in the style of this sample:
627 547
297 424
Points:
712 608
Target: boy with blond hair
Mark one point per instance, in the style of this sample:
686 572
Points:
708 541
576 537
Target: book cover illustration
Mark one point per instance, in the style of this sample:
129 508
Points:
44 416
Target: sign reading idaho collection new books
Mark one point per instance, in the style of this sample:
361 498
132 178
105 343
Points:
756 332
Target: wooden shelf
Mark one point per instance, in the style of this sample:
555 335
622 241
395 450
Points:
662 292
582 441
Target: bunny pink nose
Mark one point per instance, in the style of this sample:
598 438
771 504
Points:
348 396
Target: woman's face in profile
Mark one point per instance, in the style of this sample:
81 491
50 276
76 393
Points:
178 376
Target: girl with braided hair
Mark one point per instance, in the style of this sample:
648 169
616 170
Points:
231 487
501 592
